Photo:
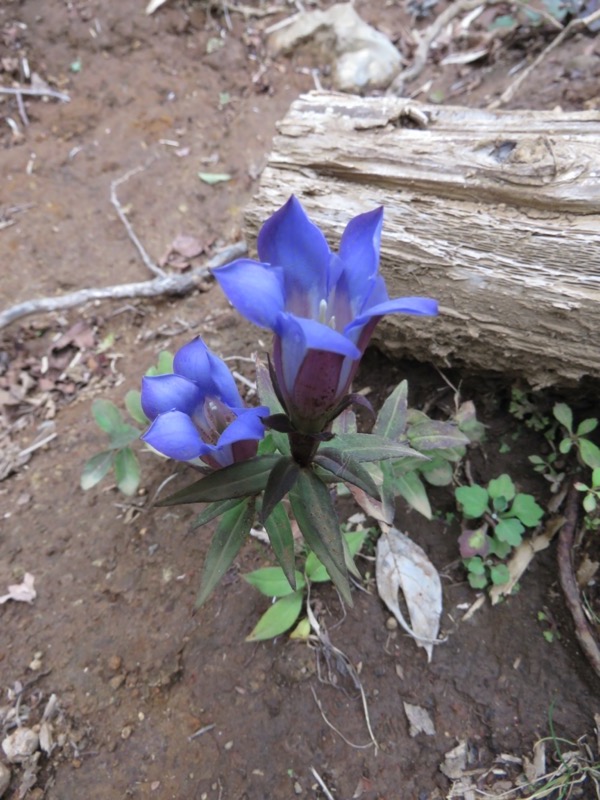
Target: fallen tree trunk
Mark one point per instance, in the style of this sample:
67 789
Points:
495 214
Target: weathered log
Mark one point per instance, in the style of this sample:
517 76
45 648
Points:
495 214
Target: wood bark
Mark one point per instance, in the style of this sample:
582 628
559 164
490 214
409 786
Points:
495 214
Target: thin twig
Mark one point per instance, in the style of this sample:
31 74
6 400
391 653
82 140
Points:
321 783
22 112
573 26
169 285
568 582
128 226
32 92
201 732
334 729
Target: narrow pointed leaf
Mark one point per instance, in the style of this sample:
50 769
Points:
344 467
279 529
133 404
278 618
127 471
95 469
272 582
107 415
315 514
281 479
268 397
231 532
345 423
213 510
238 480
278 422
391 420
368 447
412 489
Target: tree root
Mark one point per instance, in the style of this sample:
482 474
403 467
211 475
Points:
568 582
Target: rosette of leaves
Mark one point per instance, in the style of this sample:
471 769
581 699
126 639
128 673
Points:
119 455
503 516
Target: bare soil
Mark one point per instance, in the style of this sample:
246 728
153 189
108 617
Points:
156 700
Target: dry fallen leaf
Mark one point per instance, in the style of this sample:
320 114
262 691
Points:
402 564
419 720
21 592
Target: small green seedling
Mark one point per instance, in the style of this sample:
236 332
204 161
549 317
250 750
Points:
504 515
523 407
119 454
588 453
287 608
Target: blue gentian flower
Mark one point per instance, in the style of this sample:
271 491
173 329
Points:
197 412
322 307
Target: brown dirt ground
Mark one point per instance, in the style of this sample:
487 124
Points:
136 671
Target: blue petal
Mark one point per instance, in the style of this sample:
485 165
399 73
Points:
300 335
423 306
359 251
174 435
246 426
290 240
168 392
255 289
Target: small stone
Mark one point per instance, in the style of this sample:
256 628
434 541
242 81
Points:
4 778
76 763
116 681
35 665
228 745
21 744
154 785
126 732
297 788
115 663
391 623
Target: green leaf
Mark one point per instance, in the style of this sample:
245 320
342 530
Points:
213 510
127 471
282 478
346 469
565 446
355 541
133 404
344 423
510 531
391 420
477 581
314 570
280 534
527 510
368 447
316 517
214 177
123 436
596 477
272 582
590 453
473 500
475 565
164 364
437 472
564 415
501 487
587 426
267 445
107 415
434 434
499 574
238 480
231 532
278 618
498 548
95 469
412 489
589 503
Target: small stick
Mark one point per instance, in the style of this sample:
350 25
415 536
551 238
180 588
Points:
201 731
128 227
321 783
573 26
32 92
22 112
169 285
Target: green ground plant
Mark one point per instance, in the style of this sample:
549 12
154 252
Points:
502 516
